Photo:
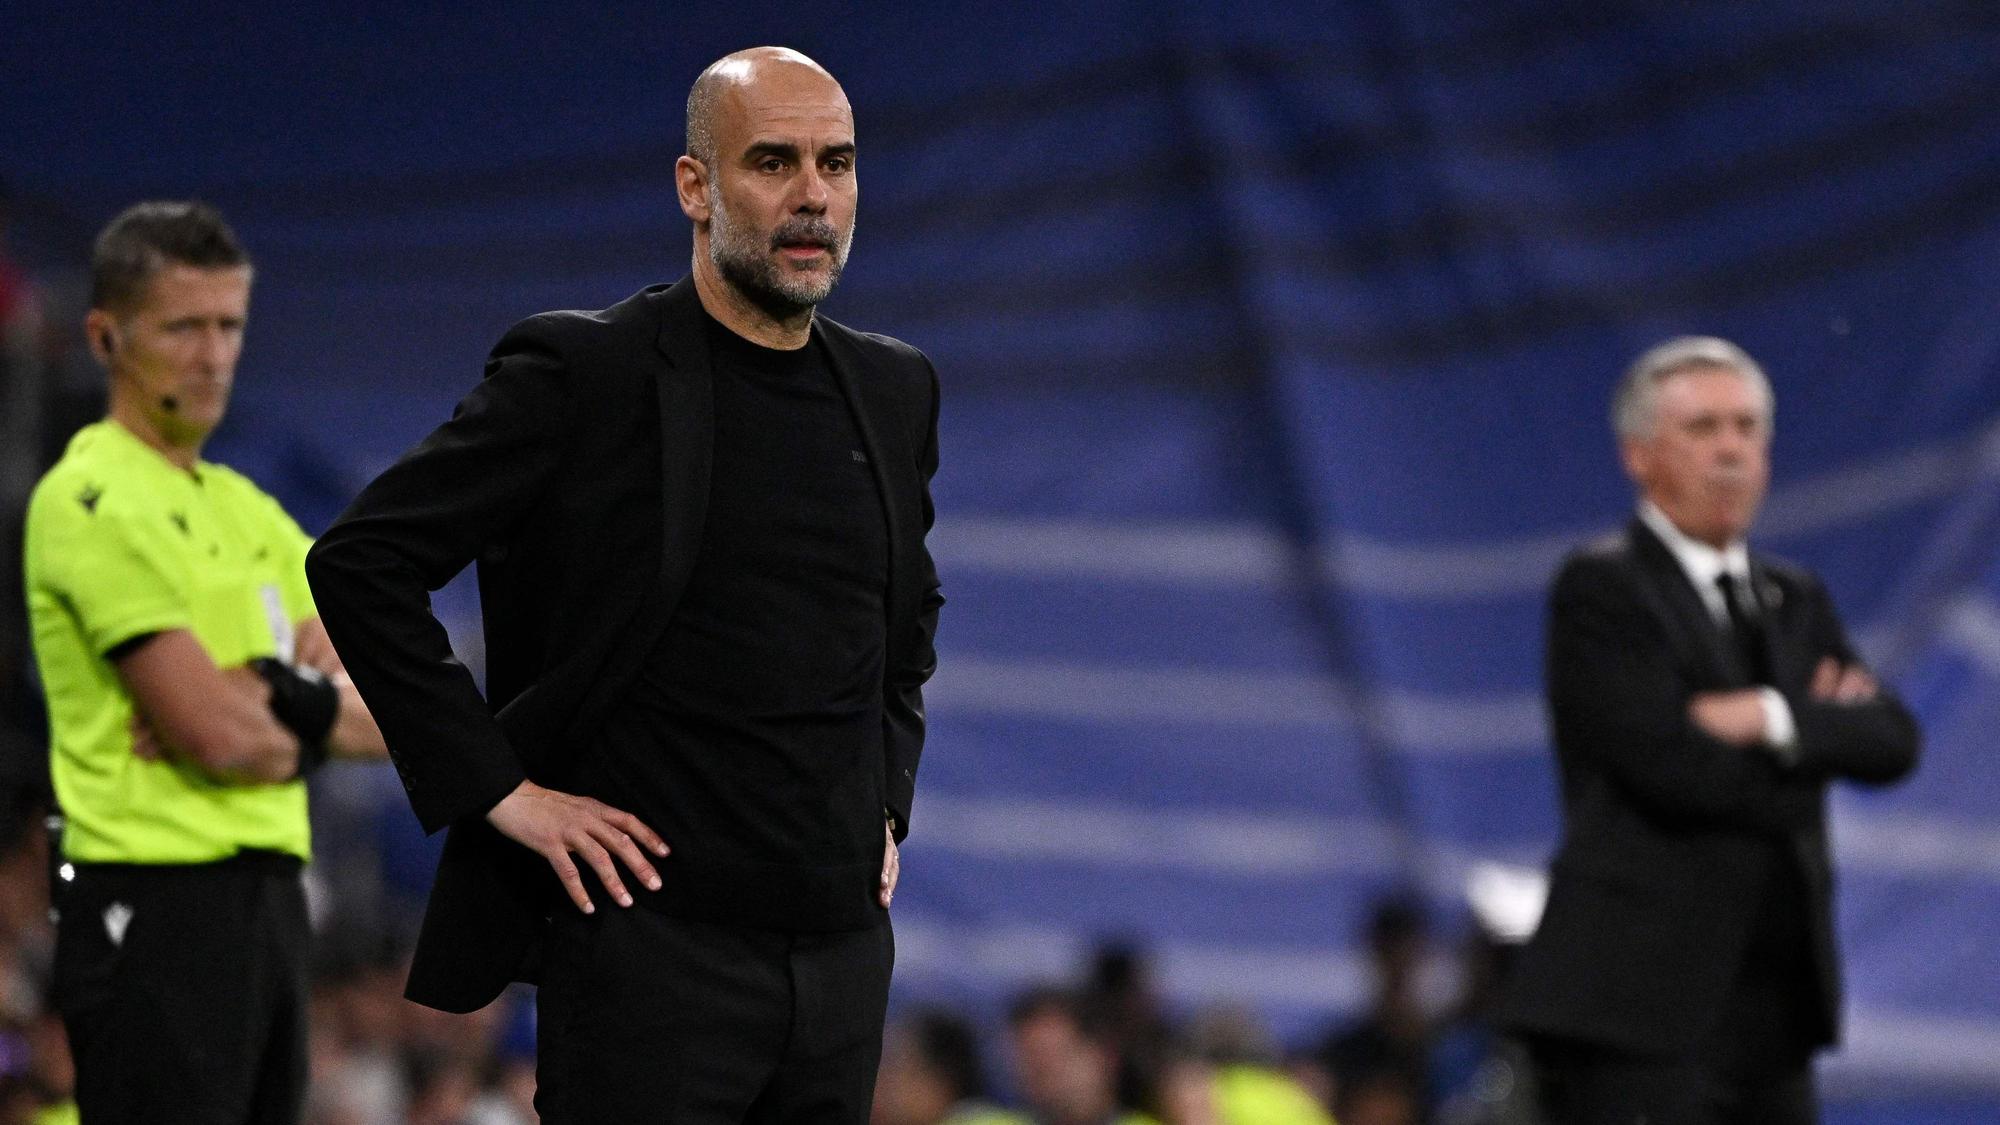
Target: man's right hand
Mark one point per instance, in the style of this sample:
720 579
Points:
1735 717
553 825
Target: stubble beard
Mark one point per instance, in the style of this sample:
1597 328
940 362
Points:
750 265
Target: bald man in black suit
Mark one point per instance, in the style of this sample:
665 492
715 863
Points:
699 517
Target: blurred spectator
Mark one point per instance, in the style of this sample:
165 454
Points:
931 1075
1388 1048
1065 1062
378 1059
1478 1076
37 1079
1121 987
1227 1074
20 304
1377 1097
23 759
358 1077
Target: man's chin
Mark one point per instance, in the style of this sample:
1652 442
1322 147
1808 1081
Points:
776 293
795 293
809 282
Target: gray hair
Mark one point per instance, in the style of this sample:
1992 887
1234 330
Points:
1635 405
702 96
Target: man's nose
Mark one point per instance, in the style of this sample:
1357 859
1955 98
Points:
813 191
215 352
1732 447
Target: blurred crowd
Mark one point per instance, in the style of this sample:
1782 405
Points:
1100 1049
1104 1049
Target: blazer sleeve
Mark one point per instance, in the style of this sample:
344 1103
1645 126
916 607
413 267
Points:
903 695
1618 701
408 533
1875 741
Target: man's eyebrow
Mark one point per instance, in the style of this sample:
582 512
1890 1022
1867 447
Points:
786 150
783 149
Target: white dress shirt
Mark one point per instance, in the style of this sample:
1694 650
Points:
1703 564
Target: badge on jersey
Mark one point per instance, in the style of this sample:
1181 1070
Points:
117 917
281 622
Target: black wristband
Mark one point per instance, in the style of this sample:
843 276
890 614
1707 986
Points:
312 755
306 703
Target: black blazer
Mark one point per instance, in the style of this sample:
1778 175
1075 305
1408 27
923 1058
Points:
577 476
1670 836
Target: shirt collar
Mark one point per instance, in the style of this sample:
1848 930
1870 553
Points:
136 447
1702 562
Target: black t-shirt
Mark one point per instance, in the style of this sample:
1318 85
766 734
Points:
752 737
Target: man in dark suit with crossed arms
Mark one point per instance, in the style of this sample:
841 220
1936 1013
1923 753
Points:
1702 696
699 517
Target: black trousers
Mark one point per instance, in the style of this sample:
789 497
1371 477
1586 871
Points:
648 1018
1583 1085
183 989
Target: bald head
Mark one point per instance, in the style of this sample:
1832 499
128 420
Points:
733 73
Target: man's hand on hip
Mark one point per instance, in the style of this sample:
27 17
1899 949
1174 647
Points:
892 866
554 825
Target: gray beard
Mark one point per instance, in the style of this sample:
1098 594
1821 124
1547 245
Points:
749 267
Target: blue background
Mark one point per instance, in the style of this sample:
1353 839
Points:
1276 346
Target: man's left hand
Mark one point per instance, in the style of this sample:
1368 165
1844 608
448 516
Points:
1834 682
892 866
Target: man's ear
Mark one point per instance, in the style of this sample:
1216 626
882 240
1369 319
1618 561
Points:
100 332
1637 457
691 185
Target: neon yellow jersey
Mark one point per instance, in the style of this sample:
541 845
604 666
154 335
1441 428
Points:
61 1113
1255 1095
121 543
980 1113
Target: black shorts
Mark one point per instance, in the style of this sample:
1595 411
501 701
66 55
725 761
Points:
184 989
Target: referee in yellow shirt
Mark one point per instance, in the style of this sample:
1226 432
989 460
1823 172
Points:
191 690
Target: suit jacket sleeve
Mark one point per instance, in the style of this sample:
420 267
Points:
1874 741
903 695
409 532
1619 700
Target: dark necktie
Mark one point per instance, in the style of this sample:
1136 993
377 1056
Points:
1745 628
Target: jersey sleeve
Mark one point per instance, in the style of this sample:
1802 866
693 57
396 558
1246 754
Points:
107 567
290 543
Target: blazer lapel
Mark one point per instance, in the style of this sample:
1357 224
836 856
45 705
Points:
686 386
1781 628
685 389
887 449
1698 636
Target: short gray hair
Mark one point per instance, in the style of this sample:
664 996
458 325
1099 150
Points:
702 96
1634 406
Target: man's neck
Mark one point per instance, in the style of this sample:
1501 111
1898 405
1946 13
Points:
745 317
1700 561
135 422
1679 538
